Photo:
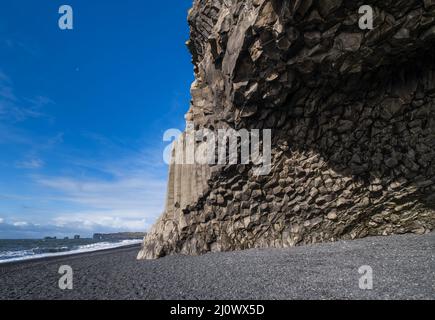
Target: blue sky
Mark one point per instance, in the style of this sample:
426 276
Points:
83 112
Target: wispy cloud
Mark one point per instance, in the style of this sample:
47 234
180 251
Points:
126 193
15 136
6 90
117 193
103 221
13 108
12 44
20 224
7 93
34 163
115 186
33 147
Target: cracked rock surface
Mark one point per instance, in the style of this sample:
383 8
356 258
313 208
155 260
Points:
352 114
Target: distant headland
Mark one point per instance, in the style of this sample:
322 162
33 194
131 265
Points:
119 236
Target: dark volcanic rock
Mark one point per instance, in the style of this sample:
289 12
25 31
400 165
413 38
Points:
352 114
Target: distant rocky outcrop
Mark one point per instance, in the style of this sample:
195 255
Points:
119 236
352 114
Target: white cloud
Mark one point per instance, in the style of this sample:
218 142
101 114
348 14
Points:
129 194
20 224
2 220
122 189
128 199
34 163
121 221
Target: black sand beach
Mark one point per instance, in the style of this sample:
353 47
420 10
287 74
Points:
403 268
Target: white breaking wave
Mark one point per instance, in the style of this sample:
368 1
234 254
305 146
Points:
11 256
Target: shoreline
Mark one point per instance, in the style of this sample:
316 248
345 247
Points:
66 254
403 268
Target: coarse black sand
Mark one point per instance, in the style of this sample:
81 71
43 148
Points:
403 268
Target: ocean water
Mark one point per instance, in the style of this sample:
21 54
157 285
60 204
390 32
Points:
18 250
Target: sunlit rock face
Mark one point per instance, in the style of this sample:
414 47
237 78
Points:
352 114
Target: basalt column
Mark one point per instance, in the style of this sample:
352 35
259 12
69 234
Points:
352 114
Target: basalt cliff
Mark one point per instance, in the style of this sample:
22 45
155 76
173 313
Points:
352 117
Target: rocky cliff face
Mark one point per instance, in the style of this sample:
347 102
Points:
352 114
